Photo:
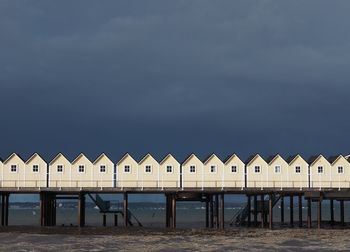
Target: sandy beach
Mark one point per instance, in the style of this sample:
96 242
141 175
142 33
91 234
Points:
134 239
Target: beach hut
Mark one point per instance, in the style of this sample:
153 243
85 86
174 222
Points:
340 171
82 175
127 172
278 173
169 172
60 172
192 172
320 172
298 172
234 172
257 172
213 172
103 172
13 171
35 172
149 171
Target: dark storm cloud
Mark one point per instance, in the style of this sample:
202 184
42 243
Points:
174 76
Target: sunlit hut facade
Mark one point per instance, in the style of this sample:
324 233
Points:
298 171
35 171
82 175
127 172
257 172
234 172
169 172
13 171
340 170
60 172
103 171
320 172
278 173
149 172
192 172
213 171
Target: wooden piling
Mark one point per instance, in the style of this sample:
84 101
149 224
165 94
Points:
125 209
342 222
270 211
262 210
319 213
255 210
309 216
216 211
116 220
7 200
2 209
173 207
331 204
282 209
291 208
81 210
222 211
211 211
104 220
207 213
249 209
300 205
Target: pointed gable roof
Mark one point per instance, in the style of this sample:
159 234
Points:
56 157
209 157
124 157
145 157
272 158
33 156
314 158
13 155
166 158
79 157
252 158
230 157
189 157
100 157
333 159
292 158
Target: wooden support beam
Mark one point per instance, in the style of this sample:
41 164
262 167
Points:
2 209
342 222
255 210
216 211
319 213
125 209
104 220
291 208
249 209
207 214
270 211
309 213
173 207
222 211
7 200
167 211
116 220
262 211
300 204
331 204
81 210
211 211
282 209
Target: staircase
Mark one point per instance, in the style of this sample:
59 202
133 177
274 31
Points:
240 217
105 207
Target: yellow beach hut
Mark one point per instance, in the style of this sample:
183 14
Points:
169 170
234 172
13 171
103 172
36 171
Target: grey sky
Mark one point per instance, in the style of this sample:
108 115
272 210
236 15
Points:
174 76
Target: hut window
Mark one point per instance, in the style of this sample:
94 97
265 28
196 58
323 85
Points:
127 168
102 168
277 169
297 169
340 169
234 168
320 169
257 169
192 169
35 168
81 168
59 168
213 168
169 168
148 168
13 168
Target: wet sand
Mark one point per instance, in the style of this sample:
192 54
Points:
136 239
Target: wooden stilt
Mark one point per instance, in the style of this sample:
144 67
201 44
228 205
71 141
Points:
7 199
167 222
125 210
282 209
211 210
173 206
222 211
309 216
2 209
249 209
291 207
207 214
262 211
217 211
255 210
81 210
342 222
116 220
270 211
331 205
300 215
319 213
104 221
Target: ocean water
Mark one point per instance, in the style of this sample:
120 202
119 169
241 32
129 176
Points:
189 215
